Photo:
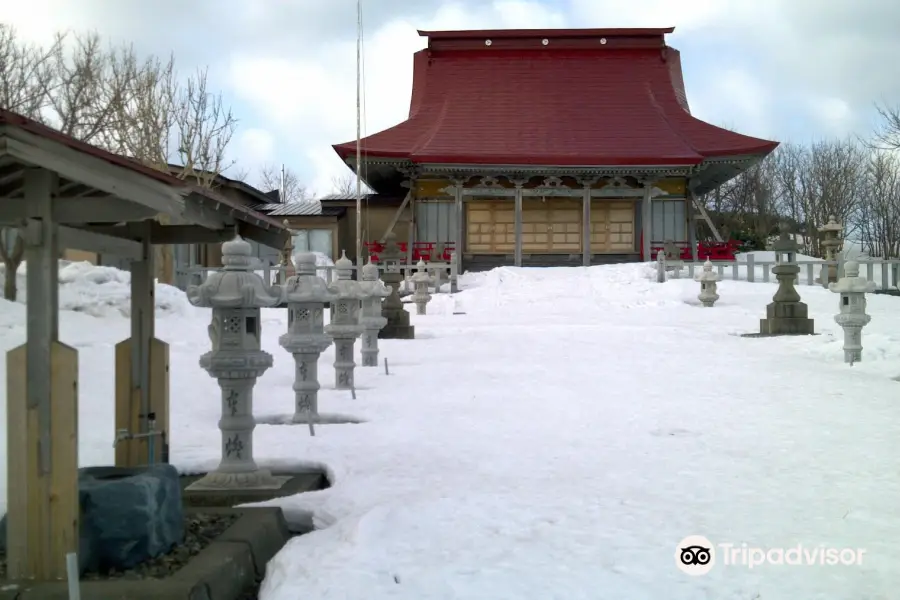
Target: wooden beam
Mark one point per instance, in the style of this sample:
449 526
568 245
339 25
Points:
273 238
78 166
165 234
396 217
705 215
201 211
80 210
42 406
74 238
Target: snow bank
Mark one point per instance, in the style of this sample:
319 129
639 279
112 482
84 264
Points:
102 291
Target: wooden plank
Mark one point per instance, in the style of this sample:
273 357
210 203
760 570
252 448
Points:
62 497
21 461
126 416
159 396
43 509
135 452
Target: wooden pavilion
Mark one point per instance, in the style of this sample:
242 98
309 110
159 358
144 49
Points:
545 147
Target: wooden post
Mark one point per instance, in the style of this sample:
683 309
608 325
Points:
586 226
142 374
647 219
458 244
411 232
42 410
518 223
692 228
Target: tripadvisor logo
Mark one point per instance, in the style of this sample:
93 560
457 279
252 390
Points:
696 555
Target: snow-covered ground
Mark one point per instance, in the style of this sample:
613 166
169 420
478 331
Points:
556 441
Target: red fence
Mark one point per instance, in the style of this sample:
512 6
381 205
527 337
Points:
420 251
723 251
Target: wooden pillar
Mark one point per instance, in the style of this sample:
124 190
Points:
411 233
647 219
691 225
335 233
459 243
142 374
586 225
42 410
518 209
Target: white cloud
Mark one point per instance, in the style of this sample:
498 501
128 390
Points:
252 148
835 114
737 100
314 100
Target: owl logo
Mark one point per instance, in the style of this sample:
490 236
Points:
695 555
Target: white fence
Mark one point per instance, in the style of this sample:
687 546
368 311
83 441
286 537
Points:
885 273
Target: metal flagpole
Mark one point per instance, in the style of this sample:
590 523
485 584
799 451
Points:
359 242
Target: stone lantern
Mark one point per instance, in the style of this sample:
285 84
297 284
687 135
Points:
344 327
852 316
392 309
235 293
421 280
831 232
708 282
370 314
306 295
786 314
287 265
660 267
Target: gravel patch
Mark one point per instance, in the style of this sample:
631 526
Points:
200 530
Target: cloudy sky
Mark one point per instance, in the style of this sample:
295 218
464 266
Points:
789 70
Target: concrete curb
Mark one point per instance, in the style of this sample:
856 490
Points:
221 571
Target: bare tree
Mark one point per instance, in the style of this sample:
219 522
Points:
26 73
294 191
344 184
108 97
879 209
887 134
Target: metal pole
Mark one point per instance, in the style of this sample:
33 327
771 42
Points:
359 252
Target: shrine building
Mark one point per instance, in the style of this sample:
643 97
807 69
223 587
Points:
543 147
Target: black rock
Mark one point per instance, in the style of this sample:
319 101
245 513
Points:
128 515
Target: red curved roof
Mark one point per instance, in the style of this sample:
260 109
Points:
552 97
